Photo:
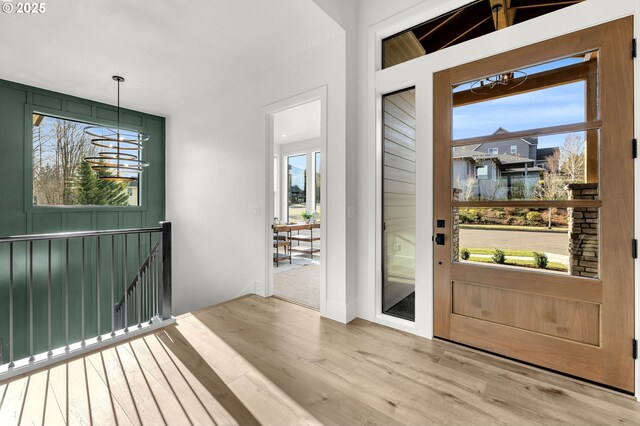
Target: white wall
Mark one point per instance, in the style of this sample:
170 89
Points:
215 167
216 173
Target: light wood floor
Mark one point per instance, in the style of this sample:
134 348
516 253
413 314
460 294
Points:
256 360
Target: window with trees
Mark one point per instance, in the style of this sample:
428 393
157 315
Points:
297 187
61 177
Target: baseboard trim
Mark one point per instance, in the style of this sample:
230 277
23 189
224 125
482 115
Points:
344 313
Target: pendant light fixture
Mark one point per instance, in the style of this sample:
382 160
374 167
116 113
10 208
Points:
119 160
507 81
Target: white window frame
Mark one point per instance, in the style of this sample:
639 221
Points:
493 151
483 166
313 179
514 149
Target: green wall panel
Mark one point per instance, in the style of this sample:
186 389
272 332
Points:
47 101
19 217
12 101
79 108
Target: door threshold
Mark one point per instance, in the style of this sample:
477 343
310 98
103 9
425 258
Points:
284 299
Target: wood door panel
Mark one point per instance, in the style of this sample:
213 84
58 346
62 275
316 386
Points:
539 349
567 319
575 325
551 284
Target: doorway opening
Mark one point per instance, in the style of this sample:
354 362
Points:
298 200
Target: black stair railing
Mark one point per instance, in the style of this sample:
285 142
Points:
58 291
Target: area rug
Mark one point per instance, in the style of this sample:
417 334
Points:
300 285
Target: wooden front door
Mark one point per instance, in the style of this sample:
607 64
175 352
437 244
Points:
568 306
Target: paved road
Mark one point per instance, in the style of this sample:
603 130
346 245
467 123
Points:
548 242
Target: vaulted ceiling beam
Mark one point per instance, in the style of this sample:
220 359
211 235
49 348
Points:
499 14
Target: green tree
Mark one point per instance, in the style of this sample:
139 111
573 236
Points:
93 191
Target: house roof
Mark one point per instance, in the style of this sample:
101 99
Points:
523 169
543 153
464 153
531 140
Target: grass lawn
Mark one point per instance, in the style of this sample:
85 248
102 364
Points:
551 266
523 253
514 228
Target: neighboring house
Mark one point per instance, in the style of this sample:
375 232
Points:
505 162
132 191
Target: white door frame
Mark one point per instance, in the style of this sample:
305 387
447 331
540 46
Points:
269 111
419 73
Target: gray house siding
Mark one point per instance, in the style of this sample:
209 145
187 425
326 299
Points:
504 147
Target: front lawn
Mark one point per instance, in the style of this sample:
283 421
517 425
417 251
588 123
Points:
551 266
514 228
483 255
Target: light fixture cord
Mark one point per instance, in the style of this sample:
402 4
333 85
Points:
118 134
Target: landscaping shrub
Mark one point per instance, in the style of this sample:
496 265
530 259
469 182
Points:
498 256
540 260
463 214
474 215
534 217
510 211
465 254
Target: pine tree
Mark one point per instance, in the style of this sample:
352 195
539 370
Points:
93 191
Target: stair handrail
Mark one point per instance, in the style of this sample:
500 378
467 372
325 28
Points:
134 281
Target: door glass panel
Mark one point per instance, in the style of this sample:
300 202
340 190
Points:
551 94
562 240
399 205
529 168
297 187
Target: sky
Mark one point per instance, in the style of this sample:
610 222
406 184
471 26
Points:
548 107
298 165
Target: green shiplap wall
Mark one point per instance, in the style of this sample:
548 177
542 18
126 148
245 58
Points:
18 217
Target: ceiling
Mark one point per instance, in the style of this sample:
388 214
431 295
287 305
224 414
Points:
168 51
298 123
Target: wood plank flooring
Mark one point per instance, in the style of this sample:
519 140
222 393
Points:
255 360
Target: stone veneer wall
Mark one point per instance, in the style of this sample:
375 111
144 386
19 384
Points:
455 228
583 231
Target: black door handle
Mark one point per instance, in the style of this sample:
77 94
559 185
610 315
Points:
439 239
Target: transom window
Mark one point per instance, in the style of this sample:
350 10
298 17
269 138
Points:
463 24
